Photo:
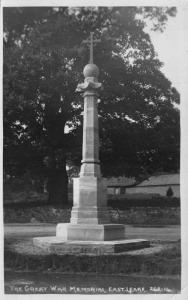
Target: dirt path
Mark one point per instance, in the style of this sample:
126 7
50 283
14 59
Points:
168 233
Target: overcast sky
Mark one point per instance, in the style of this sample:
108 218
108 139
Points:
167 45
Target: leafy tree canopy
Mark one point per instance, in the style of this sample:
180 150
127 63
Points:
44 56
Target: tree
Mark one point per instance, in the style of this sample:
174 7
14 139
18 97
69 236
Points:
169 192
43 61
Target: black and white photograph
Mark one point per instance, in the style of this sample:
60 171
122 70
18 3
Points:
92 199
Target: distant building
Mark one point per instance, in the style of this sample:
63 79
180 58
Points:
158 184
119 185
163 185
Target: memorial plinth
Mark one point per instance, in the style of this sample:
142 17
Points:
90 224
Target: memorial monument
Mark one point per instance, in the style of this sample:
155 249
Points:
90 229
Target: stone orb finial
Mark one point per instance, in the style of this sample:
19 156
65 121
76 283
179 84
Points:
91 70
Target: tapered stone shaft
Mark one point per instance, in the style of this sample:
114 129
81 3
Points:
90 149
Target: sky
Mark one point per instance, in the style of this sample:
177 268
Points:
167 44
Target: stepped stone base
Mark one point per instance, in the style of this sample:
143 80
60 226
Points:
57 245
89 239
90 232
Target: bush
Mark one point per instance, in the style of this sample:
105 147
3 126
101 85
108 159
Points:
123 203
151 216
131 215
36 214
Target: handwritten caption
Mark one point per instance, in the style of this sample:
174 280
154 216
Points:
30 289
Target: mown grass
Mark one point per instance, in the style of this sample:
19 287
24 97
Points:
165 262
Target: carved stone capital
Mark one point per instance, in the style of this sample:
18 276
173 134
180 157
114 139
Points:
90 83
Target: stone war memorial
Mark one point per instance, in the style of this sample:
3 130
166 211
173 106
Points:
90 230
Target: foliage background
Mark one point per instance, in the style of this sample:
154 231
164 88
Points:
43 61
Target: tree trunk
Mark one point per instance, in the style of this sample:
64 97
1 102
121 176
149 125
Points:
58 186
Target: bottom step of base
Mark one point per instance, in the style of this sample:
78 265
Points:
59 246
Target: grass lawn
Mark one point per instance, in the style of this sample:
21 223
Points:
162 258
152 270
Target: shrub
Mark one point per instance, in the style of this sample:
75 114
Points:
155 201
